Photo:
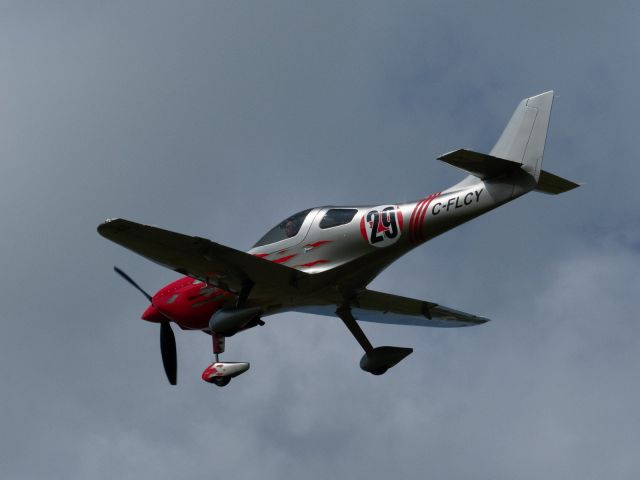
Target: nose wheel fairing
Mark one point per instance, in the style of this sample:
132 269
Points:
220 373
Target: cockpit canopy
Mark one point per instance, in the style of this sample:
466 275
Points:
286 229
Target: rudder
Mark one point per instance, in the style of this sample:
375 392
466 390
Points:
524 137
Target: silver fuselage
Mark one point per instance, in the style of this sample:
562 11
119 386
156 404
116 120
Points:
356 252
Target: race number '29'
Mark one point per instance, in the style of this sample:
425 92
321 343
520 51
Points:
382 226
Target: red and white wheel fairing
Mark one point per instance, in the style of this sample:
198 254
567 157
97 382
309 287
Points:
224 369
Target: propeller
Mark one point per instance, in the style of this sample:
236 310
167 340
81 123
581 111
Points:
135 285
168 349
167 338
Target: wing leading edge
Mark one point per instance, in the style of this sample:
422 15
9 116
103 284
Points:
202 259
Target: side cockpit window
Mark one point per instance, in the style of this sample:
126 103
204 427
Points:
286 229
337 216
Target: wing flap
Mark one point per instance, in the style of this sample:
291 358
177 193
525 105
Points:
372 306
200 258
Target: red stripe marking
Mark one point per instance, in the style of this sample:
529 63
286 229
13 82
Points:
420 215
284 259
317 244
363 229
261 255
420 232
414 218
311 264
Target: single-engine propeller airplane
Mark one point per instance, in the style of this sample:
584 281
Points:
321 259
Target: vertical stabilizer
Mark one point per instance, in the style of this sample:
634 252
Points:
523 139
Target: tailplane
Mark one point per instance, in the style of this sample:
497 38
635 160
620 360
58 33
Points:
553 184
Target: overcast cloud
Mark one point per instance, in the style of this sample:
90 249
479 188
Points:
219 118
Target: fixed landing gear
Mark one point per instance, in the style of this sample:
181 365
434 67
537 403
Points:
221 381
375 360
220 373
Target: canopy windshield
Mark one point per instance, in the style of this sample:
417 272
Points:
288 228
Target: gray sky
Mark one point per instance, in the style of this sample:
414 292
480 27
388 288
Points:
219 118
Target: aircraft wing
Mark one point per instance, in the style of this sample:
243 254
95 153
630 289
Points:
203 259
372 306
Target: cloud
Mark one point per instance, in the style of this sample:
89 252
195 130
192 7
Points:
219 119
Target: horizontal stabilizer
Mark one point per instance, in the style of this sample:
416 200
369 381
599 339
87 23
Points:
487 166
553 185
479 164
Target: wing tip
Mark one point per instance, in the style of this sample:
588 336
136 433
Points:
107 226
473 322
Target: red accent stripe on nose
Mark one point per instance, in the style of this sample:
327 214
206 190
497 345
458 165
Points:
317 244
311 264
284 259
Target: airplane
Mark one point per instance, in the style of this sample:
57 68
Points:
320 260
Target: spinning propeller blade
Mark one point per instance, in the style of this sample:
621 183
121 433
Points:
167 338
168 349
130 280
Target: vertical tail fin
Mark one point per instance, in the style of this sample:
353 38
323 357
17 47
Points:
523 138
520 147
